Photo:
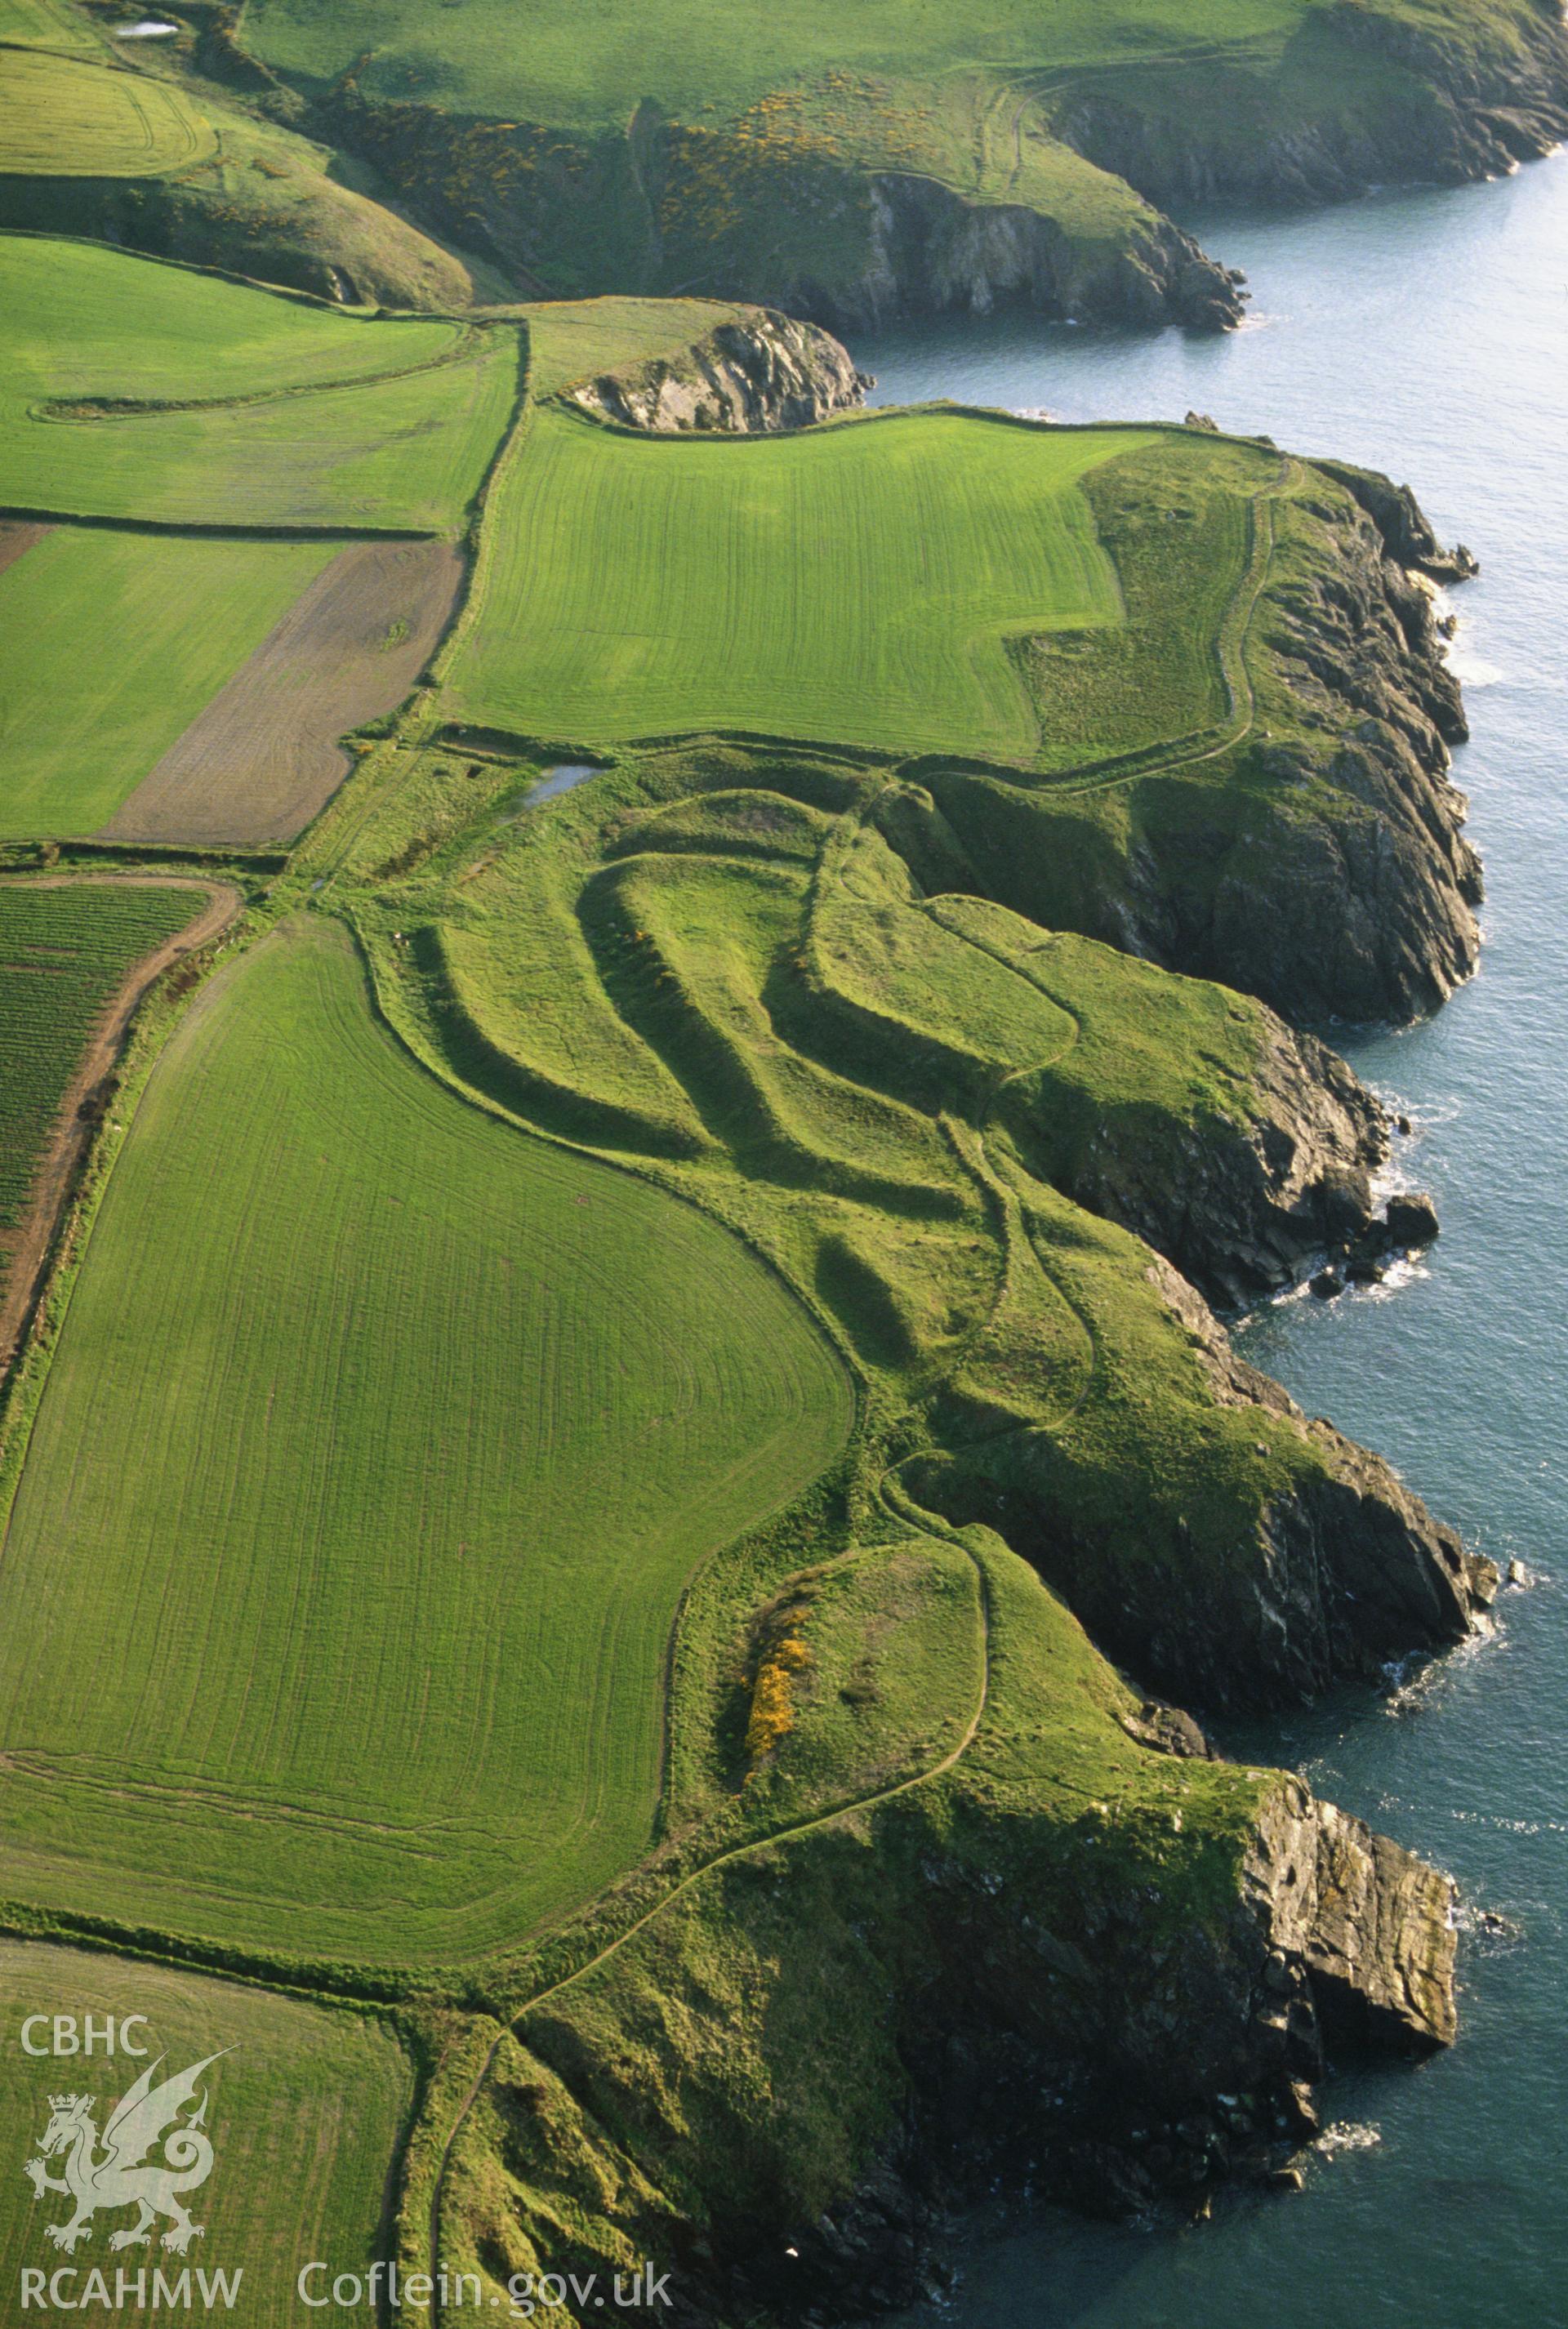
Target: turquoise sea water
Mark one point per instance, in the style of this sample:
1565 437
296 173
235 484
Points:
1425 332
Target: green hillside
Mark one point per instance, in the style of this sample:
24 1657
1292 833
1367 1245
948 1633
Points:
692 56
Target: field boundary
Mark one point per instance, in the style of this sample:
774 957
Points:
21 514
59 1169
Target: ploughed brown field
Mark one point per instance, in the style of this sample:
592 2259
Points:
264 756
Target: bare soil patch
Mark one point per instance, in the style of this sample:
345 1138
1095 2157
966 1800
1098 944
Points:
264 756
27 1249
17 536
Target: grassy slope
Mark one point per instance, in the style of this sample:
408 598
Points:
757 976
636 587
79 734
303 2115
395 1643
45 25
738 2059
630 151
406 449
592 73
63 953
63 118
571 339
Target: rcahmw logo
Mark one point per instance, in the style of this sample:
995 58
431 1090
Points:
153 2152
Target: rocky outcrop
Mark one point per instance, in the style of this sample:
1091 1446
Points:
1244 1203
1351 1573
763 370
1327 874
1070 2040
1365 95
1354 1922
1402 524
1362 904
1288 1562
932 250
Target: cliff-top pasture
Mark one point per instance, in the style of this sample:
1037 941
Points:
380 1442
570 339
45 24
591 69
303 2114
857 584
62 117
274 411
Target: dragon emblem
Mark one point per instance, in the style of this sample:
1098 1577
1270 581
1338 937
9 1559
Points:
120 2175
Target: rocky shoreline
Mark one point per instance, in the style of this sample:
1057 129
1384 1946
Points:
1106 1991
1361 99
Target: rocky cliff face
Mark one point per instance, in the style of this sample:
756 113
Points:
1073 2040
931 249
1243 1204
764 371
1362 904
1381 97
1327 871
1352 1571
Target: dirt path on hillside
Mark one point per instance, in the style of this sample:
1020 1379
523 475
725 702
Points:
27 1249
17 536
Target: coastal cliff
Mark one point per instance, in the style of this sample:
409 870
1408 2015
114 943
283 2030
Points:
931 250
1058 1944
1320 861
851 200
1365 95
763 370
791 2082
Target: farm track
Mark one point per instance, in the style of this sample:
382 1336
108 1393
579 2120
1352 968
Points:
29 1258
903 1508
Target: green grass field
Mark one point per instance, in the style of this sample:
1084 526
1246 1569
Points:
63 953
591 71
61 119
394 1436
571 339
632 587
334 421
79 732
45 24
303 2115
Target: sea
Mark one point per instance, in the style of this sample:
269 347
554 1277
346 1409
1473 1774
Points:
1424 332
